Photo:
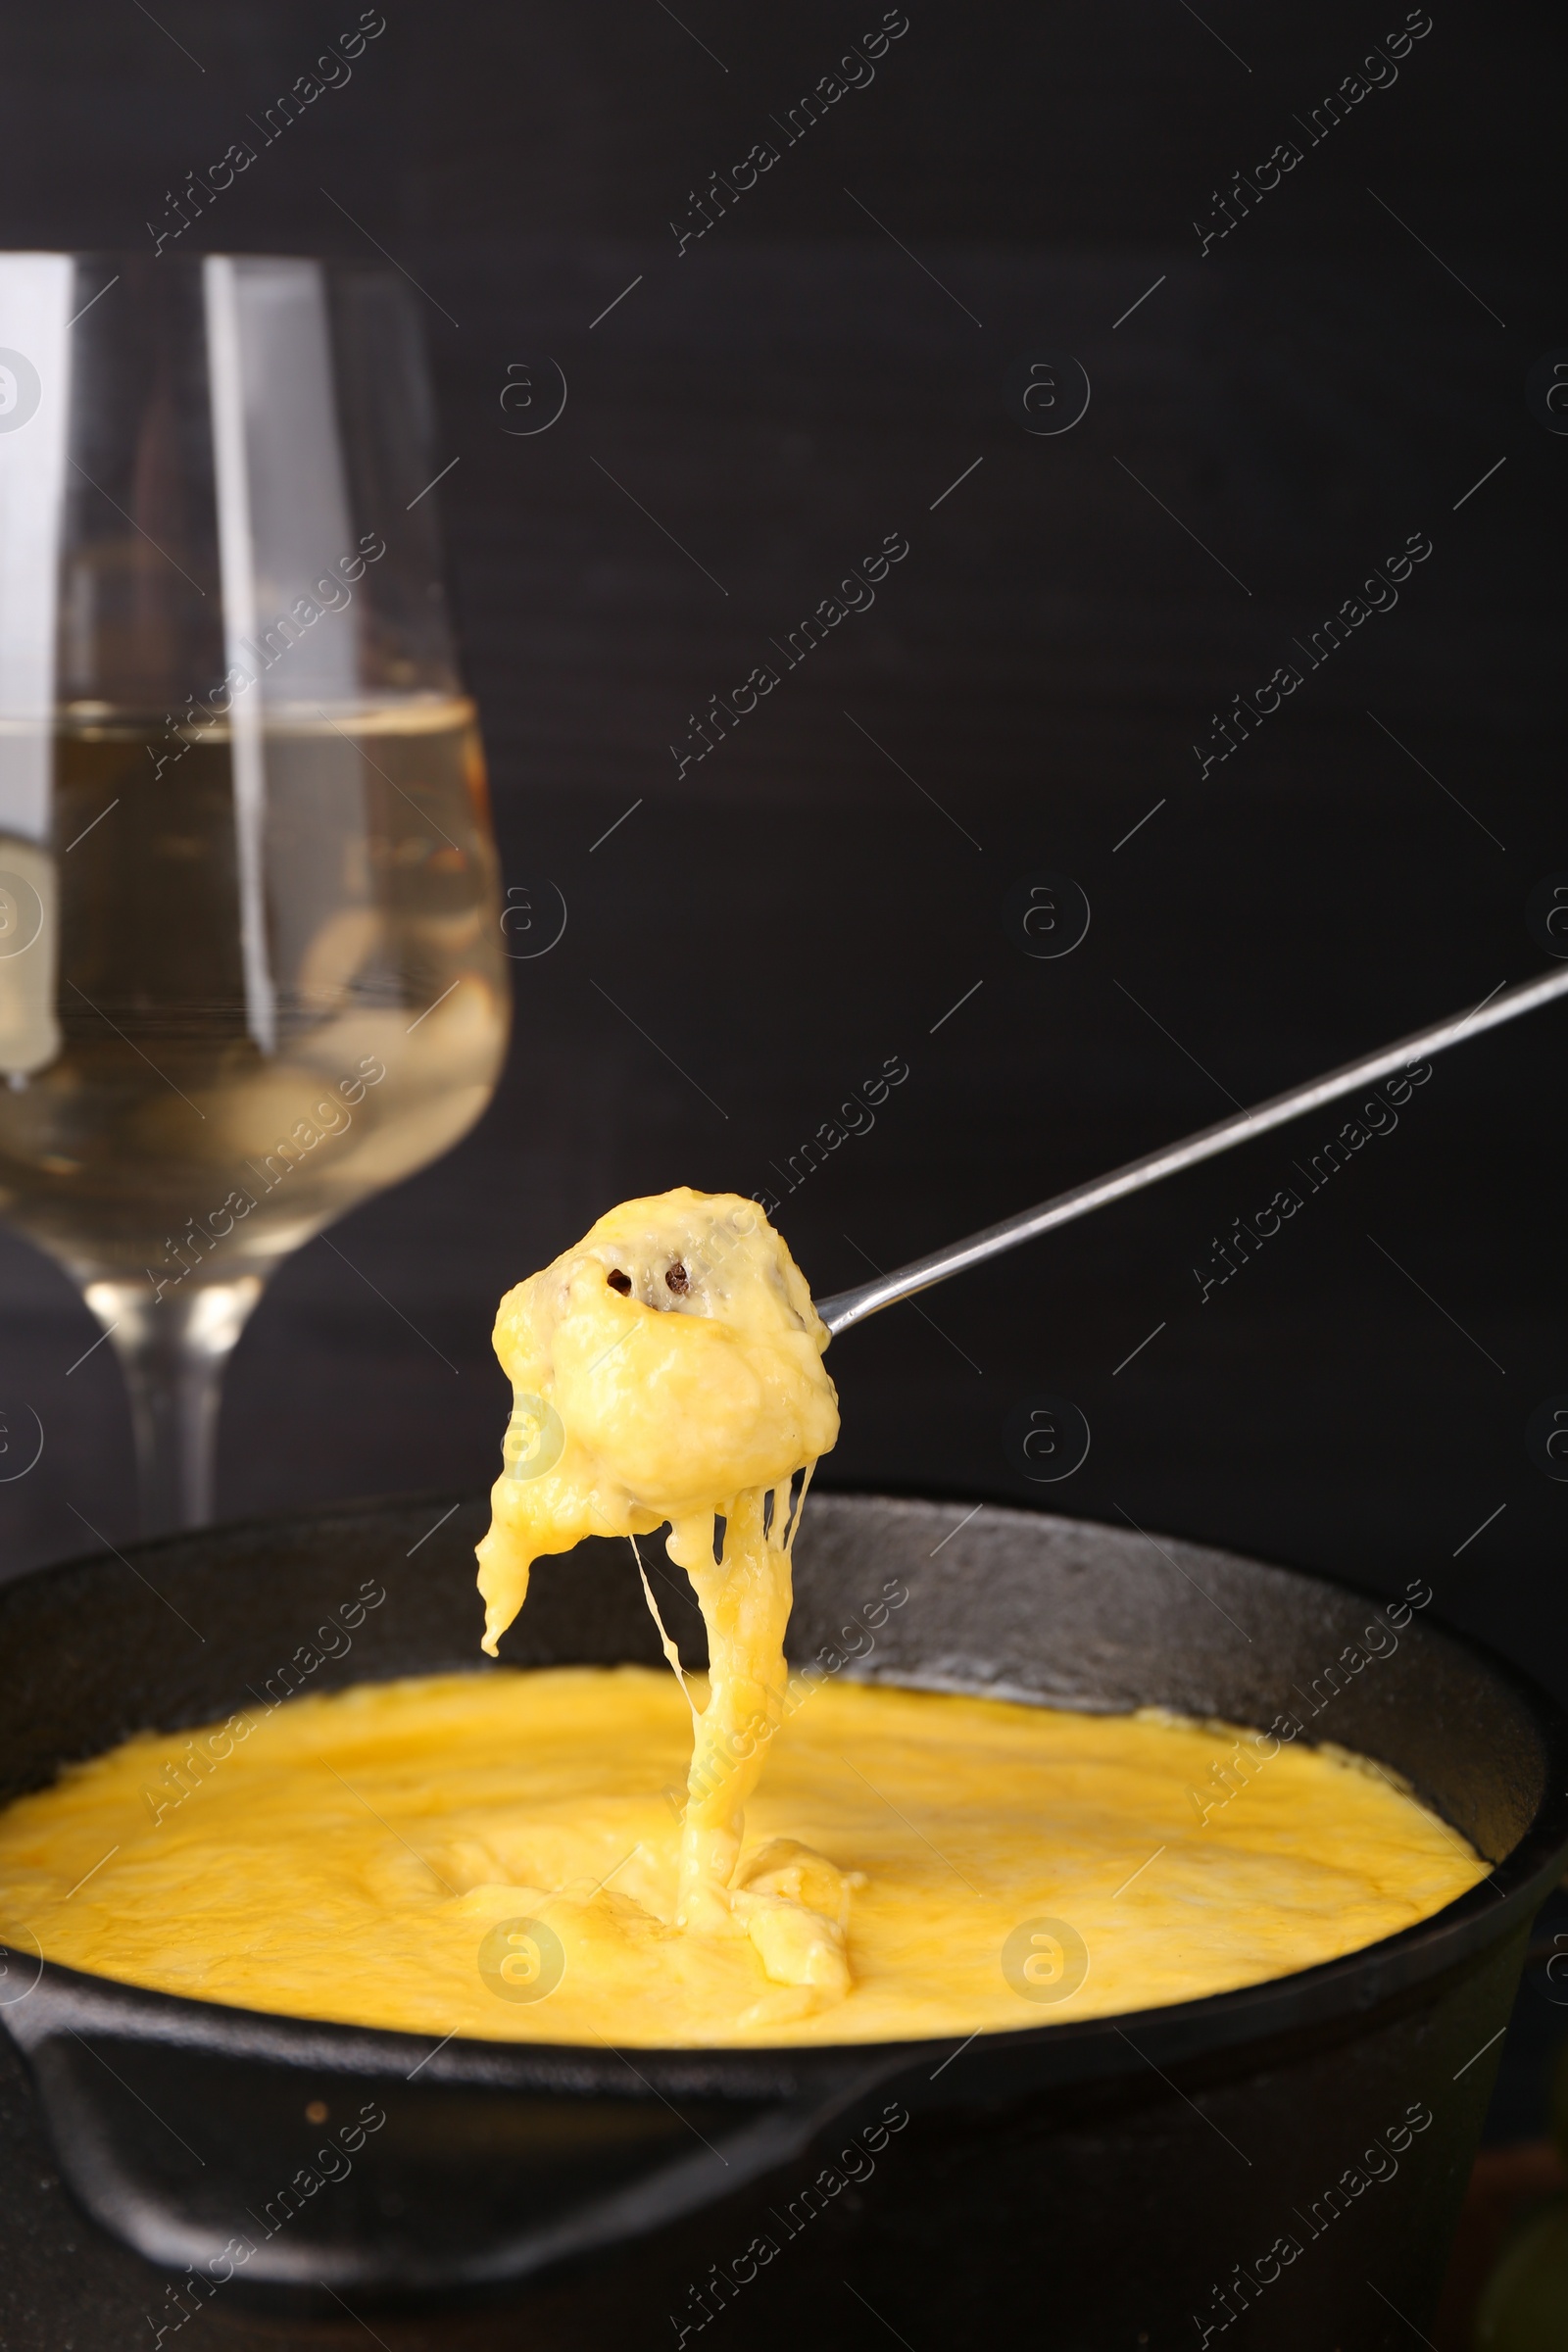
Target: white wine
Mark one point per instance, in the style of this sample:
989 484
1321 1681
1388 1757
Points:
215 1039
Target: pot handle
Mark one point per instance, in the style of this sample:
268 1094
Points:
232 2145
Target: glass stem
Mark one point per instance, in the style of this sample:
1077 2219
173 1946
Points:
172 1351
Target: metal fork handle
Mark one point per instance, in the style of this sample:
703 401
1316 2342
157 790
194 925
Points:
870 1298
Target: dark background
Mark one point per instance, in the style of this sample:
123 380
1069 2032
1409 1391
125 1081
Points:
804 905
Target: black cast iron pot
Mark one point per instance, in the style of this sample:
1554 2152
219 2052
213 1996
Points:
1251 2166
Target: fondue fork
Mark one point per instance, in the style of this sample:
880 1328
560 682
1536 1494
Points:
904 1282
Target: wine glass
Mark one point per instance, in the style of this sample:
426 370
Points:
251 958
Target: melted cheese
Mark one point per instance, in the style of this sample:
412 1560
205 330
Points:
669 1368
497 1855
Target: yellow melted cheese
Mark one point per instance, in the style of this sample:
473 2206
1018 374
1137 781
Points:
669 1368
497 1855
580 1853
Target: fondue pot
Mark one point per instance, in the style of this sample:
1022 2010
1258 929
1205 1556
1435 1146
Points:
1280 2166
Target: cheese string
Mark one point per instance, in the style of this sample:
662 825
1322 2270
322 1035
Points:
665 1641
